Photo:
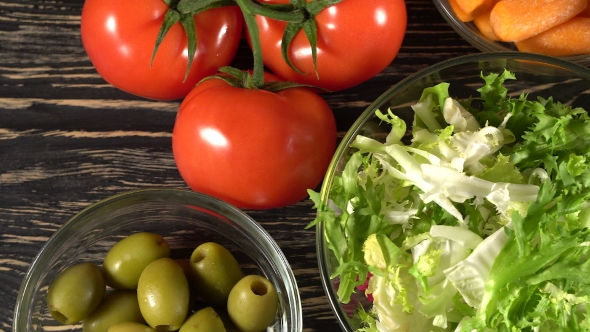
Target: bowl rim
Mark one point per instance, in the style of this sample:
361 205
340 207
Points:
321 249
174 195
471 34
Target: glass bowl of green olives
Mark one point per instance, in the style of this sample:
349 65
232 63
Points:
174 239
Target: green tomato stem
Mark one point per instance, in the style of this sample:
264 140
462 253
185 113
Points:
288 13
281 12
247 7
194 7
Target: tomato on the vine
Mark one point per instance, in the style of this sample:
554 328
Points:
120 37
253 148
356 40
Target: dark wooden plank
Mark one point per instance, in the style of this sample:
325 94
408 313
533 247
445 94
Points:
69 139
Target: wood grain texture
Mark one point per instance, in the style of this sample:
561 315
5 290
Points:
69 139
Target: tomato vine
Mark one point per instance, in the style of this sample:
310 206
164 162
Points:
299 15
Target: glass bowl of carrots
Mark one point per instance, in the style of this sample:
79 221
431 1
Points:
415 213
559 28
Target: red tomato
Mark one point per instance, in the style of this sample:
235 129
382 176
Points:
120 36
253 148
356 40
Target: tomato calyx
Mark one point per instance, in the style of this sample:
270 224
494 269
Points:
245 79
308 26
183 12
299 15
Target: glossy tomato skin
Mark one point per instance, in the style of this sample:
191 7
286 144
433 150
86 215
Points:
357 39
253 148
119 37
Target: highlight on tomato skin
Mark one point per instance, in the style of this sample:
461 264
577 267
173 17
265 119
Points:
253 148
355 42
119 38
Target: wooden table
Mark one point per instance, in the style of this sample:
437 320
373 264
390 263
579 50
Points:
68 139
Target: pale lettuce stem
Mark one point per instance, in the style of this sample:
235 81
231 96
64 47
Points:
424 112
405 160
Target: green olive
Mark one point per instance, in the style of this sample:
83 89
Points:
214 271
163 294
130 327
119 305
126 260
204 320
252 303
75 293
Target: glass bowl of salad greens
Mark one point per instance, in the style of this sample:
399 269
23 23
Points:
460 201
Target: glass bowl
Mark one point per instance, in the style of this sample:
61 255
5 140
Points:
536 75
473 36
185 219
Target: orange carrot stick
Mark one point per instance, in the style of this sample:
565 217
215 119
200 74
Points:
482 22
569 38
515 20
474 8
461 15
